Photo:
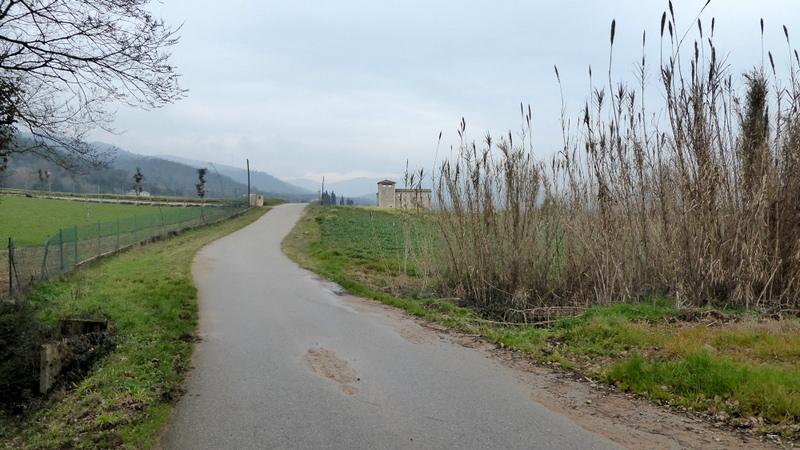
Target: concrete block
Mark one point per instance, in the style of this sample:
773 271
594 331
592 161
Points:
52 360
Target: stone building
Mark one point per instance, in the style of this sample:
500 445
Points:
391 197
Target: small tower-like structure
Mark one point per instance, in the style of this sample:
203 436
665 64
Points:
391 197
386 194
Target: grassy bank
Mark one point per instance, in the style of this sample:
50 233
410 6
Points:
741 369
149 296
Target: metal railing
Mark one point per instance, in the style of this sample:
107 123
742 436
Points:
74 245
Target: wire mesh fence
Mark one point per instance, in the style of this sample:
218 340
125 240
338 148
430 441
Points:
74 245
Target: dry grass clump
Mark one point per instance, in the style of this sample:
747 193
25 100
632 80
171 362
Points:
698 200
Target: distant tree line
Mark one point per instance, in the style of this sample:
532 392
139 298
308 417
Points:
330 199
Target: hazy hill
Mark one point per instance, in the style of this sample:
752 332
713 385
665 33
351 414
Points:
171 175
262 181
162 177
356 187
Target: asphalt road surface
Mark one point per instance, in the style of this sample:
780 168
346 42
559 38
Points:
286 362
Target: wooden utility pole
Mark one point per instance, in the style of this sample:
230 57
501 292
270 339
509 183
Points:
248 180
322 190
10 267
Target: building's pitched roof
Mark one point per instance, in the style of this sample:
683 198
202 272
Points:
386 182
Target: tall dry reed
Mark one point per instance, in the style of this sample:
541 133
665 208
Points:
697 199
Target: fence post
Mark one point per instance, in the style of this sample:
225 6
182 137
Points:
43 274
10 267
75 246
61 248
117 234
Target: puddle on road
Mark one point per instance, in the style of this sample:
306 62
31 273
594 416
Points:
404 326
330 286
325 363
415 334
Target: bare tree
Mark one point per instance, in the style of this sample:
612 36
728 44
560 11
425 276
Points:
63 62
138 177
44 179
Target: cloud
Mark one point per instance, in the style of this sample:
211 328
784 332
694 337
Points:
360 87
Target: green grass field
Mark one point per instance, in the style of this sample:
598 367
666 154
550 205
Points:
743 369
376 239
148 295
30 221
386 248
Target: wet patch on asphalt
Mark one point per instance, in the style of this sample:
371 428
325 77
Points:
332 287
414 333
326 364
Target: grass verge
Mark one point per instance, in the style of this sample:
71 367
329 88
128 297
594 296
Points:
126 399
736 368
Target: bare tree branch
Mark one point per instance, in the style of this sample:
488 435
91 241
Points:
64 62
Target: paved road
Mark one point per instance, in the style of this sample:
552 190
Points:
285 362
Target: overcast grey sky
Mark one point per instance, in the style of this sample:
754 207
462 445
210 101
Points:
355 87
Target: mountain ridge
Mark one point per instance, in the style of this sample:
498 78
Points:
261 180
161 176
